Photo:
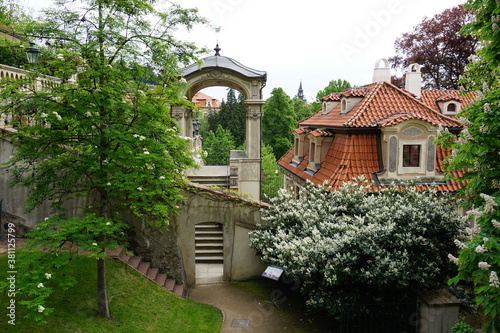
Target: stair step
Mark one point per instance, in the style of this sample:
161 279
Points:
208 232
179 290
144 267
161 278
208 239
153 273
170 284
134 261
124 257
208 225
116 252
212 251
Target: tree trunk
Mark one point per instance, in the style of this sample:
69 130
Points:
102 297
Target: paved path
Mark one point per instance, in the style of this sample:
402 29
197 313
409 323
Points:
240 308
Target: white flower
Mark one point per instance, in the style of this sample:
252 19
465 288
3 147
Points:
60 56
142 138
483 265
494 280
490 203
139 189
95 244
108 223
182 80
495 223
43 115
57 115
481 249
109 184
146 152
459 244
453 259
40 308
46 219
162 177
88 114
40 285
48 275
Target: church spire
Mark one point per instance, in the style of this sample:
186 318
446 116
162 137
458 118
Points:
300 94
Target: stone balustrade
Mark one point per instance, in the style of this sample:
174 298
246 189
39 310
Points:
42 82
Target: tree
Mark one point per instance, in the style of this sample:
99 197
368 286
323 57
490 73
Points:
107 136
272 176
353 246
338 85
474 162
301 109
232 114
438 47
278 122
13 15
218 146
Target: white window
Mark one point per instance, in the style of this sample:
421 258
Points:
412 156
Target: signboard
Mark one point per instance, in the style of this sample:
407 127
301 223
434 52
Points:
273 272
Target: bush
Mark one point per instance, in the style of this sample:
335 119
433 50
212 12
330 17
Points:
352 246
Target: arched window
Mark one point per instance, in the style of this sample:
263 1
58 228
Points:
452 107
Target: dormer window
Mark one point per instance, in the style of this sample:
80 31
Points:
450 108
209 103
344 106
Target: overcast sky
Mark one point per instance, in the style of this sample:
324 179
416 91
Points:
312 41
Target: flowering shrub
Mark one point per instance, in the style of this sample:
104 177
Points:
354 246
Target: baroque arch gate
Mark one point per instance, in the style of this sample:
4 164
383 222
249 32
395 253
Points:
218 70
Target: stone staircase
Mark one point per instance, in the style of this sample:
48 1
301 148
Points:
145 269
209 243
210 176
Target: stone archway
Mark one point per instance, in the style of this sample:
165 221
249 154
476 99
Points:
218 70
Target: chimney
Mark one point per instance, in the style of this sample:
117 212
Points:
413 80
382 73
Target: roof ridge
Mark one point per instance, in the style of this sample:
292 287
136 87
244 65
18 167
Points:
419 102
364 102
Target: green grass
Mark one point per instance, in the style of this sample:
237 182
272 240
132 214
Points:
136 305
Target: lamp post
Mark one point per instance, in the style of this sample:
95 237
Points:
32 53
196 127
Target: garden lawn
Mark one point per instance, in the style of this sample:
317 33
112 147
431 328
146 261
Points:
136 305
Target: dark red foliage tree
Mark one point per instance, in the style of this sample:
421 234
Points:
438 47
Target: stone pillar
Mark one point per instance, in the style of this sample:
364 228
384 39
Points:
437 311
249 168
184 118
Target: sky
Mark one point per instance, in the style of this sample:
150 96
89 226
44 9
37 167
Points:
312 41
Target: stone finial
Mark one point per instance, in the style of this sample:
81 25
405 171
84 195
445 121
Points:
217 49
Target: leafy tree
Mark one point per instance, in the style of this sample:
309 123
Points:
352 246
476 151
272 176
218 146
438 47
232 116
107 136
14 15
338 85
301 109
278 122
12 53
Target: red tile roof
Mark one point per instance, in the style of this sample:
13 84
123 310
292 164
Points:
353 153
349 156
200 99
430 97
383 105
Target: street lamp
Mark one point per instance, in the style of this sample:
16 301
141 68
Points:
32 53
196 127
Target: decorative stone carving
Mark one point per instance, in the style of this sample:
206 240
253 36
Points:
412 131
